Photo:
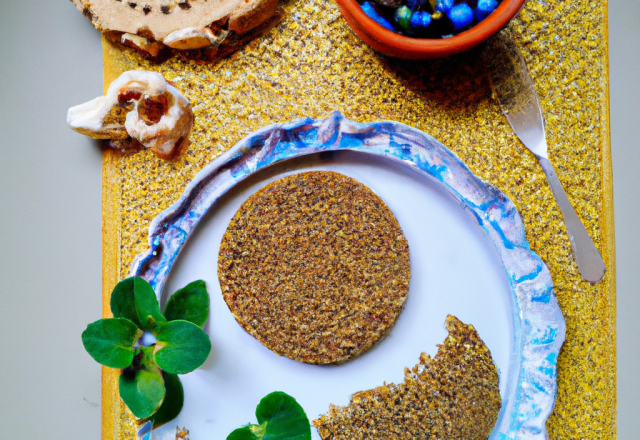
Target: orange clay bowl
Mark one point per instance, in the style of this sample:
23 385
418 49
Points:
400 46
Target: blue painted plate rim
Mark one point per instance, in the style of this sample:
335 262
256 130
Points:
539 327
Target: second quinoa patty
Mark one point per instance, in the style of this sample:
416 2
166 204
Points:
454 396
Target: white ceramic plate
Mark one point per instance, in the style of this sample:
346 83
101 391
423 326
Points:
468 259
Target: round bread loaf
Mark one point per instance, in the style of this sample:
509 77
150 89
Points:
158 19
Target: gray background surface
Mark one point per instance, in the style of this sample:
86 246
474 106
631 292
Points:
50 227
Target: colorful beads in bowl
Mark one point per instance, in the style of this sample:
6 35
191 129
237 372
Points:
428 18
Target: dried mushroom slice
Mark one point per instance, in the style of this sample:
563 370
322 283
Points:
455 395
316 267
178 24
140 110
149 48
192 38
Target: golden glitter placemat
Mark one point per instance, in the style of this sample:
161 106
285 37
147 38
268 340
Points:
312 64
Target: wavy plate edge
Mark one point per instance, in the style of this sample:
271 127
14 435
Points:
539 327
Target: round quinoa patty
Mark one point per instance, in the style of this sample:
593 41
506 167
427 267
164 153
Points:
315 266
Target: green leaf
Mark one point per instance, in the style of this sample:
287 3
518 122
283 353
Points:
142 385
191 303
134 298
146 304
280 417
122 300
173 400
110 341
285 418
183 347
250 432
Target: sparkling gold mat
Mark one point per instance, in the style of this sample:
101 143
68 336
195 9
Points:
312 64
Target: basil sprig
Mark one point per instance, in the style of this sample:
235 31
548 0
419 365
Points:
280 417
150 347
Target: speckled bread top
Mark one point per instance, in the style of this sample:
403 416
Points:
455 395
160 17
180 24
315 266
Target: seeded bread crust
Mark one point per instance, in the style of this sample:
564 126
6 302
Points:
144 25
164 16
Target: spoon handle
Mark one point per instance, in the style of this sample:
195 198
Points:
590 263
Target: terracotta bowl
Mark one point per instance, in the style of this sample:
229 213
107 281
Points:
400 46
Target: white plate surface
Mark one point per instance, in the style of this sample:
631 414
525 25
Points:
455 269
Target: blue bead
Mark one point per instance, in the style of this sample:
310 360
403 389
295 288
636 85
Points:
460 15
420 20
403 17
443 5
485 8
414 5
368 9
147 339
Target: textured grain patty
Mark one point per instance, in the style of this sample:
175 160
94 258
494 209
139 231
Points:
315 266
454 396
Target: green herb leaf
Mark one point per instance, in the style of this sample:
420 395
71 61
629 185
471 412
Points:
280 417
134 298
250 432
285 418
110 341
122 300
146 304
173 400
191 303
183 347
142 385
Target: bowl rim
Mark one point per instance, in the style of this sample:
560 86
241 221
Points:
499 18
